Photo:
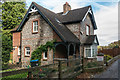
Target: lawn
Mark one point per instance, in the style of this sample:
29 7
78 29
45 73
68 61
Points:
17 76
8 70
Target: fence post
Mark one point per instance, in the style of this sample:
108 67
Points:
59 70
82 58
29 75
82 64
106 61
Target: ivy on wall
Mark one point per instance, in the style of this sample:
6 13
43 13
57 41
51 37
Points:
37 53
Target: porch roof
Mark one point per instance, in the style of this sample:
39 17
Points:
89 40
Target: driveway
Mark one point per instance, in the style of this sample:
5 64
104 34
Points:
112 71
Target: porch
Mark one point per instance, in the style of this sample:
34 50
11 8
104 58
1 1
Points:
66 51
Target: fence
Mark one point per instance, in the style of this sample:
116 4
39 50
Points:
60 69
112 52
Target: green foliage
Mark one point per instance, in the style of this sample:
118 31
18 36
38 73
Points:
6 46
116 46
108 57
12 14
37 53
17 76
92 64
112 45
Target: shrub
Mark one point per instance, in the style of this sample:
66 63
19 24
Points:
37 53
108 57
92 64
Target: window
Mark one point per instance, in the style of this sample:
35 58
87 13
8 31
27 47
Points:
93 53
18 51
45 55
87 30
35 26
88 52
27 51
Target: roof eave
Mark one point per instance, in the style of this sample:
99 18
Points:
71 22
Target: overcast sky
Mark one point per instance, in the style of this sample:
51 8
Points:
105 12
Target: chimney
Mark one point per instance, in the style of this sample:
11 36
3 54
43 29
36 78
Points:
66 7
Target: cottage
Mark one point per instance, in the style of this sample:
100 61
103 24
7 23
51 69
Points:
73 31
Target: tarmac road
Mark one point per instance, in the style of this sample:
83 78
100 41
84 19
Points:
112 71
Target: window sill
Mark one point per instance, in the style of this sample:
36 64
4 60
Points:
90 57
27 56
34 32
44 59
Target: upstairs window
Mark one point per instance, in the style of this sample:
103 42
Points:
27 51
35 26
87 30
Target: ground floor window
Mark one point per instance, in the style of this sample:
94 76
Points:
18 51
27 51
45 55
90 52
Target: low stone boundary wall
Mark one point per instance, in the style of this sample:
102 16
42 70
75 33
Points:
94 70
101 68
112 60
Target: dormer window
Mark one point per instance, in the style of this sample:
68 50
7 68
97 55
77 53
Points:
87 30
35 26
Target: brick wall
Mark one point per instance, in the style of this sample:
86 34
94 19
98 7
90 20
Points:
16 39
15 55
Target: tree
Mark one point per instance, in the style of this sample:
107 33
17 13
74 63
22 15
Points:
6 45
0 14
12 14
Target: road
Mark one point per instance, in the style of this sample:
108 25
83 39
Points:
112 71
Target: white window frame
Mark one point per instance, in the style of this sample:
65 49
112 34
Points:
34 25
27 51
91 48
44 55
87 30
18 51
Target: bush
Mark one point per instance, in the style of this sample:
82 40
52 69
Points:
4 66
108 57
92 64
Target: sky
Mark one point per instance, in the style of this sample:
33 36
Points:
105 13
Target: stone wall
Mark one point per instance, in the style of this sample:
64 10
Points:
83 24
75 28
49 60
33 40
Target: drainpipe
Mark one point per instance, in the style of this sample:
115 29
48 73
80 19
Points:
21 47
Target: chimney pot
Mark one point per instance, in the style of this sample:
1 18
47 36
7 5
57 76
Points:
66 7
